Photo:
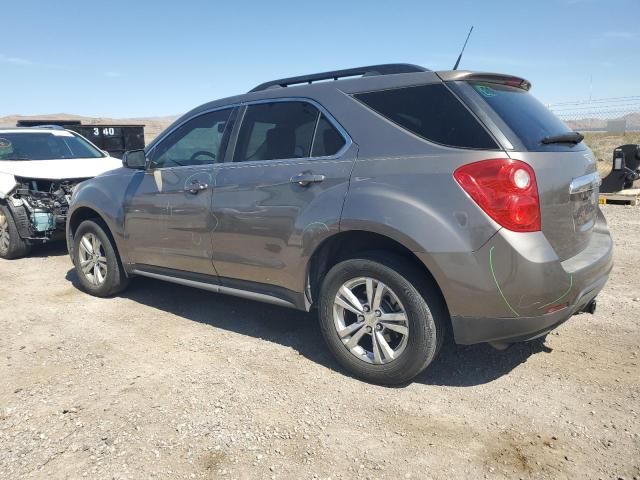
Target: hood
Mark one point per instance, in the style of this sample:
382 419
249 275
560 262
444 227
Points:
65 169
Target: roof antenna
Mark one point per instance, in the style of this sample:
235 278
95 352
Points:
455 67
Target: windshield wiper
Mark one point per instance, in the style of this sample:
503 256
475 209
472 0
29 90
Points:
569 137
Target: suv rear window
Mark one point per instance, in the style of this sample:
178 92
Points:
431 112
528 118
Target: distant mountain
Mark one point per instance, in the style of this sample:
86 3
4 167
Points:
153 125
633 122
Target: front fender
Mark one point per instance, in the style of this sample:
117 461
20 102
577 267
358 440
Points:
105 195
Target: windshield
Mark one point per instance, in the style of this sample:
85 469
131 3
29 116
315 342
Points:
54 145
529 119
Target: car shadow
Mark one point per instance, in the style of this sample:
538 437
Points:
50 249
456 366
469 365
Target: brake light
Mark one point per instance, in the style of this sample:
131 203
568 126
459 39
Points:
505 189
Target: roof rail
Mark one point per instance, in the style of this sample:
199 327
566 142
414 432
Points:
49 127
371 70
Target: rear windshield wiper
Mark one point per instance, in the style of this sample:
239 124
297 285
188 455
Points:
569 137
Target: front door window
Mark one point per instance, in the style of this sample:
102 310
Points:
198 142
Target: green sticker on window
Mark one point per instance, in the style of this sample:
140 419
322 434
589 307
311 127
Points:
5 147
485 91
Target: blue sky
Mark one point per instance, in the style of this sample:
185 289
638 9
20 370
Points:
142 58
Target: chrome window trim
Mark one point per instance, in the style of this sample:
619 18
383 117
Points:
315 132
346 137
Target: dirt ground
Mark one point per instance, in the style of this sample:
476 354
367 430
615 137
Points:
167 382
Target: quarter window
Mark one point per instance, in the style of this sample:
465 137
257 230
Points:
200 141
278 130
431 112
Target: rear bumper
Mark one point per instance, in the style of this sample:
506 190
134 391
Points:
469 330
502 292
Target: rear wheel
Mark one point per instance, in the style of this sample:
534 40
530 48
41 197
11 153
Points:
96 261
11 244
381 319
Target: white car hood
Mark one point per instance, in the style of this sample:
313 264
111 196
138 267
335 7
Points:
65 169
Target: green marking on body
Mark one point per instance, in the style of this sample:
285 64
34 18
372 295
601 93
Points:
561 296
497 285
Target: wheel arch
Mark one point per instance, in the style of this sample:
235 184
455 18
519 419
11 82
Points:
347 244
19 216
81 214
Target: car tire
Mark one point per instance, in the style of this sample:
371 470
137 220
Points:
416 295
96 260
12 246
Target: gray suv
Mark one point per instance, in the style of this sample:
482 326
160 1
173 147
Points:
403 203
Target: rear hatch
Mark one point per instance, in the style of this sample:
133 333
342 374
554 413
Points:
564 166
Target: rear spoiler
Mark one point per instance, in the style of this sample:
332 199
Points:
510 80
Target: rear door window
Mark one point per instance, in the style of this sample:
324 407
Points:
529 120
327 141
276 131
431 112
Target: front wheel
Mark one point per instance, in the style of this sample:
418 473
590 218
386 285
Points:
381 318
11 244
96 261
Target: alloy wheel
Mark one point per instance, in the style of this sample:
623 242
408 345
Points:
370 320
5 239
93 262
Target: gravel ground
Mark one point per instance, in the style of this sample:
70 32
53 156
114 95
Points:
171 382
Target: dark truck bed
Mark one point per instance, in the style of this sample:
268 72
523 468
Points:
115 139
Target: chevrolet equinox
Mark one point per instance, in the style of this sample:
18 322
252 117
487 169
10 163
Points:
404 204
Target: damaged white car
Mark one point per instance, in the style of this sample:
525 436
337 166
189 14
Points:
39 168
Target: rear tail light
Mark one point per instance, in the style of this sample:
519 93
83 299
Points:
505 189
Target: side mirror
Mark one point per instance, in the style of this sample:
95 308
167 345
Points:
135 159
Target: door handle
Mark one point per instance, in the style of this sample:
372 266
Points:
196 187
306 179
